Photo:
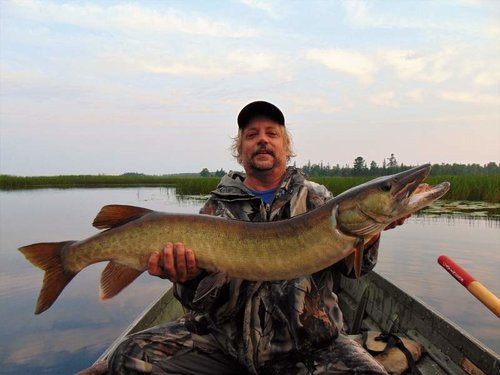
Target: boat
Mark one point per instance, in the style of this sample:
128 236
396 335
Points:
374 303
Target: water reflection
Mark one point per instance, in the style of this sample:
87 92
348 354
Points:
166 195
77 328
458 219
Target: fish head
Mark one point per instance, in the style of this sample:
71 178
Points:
368 208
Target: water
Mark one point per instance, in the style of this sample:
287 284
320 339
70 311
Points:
408 257
77 328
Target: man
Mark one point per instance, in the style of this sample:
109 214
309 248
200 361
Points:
238 326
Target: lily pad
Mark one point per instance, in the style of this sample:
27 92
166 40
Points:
463 208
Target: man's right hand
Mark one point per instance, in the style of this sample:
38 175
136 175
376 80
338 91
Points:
174 262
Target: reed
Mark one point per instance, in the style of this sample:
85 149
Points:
184 185
471 188
468 187
339 184
15 182
196 185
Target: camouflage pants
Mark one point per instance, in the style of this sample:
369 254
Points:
172 349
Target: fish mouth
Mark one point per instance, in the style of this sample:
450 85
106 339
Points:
408 188
424 194
405 183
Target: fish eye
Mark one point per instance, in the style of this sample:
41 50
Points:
386 186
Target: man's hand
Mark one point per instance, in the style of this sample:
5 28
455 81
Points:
174 262
420 188
394 224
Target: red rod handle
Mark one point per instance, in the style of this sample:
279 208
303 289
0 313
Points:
477 289
461 275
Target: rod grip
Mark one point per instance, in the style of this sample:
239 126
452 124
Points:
461 275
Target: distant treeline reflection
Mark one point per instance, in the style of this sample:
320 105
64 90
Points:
463 187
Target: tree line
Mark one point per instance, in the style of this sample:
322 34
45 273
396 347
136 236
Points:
218 173
389 165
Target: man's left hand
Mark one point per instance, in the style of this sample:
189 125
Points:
421 187
394 224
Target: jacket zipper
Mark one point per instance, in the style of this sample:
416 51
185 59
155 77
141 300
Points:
268 211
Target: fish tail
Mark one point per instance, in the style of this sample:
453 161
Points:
46 256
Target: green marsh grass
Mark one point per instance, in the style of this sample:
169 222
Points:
184 185
339 184
468 187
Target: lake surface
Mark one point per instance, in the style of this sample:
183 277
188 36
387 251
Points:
77 328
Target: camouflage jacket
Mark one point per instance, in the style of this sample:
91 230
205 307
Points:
258 321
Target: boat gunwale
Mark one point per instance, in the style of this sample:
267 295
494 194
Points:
149 317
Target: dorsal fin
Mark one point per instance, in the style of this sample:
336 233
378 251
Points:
114 215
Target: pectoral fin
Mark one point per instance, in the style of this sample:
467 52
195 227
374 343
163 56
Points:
115 278
359 248
208 284
349 263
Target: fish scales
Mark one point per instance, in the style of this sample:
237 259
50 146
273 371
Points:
256 251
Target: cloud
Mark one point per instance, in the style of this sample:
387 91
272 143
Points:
473 3
437 67
129 17
251 61
493 31
208 70
313 104
262 5
470 98
361 14
385 99
345 61
416 95
19 77
431 67
235 62
489 76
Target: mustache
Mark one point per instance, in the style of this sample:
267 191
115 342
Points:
263 150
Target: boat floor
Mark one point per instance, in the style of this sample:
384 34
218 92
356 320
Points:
375 303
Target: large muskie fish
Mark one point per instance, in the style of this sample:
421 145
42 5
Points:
254 251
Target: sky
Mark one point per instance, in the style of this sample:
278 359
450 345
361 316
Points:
109 87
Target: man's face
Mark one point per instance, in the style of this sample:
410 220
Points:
263 147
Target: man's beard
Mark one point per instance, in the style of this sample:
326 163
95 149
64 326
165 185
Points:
266 165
